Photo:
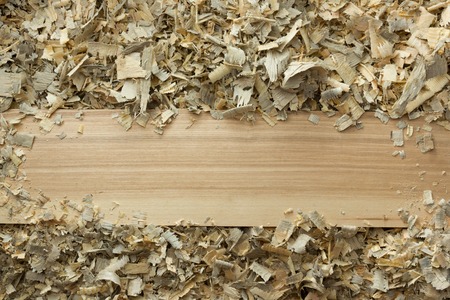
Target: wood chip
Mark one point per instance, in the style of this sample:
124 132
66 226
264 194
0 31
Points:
282 233
237 111
315 119
262 271
411 89
397 137
22 139
428 197
384 117
10 83
125 120
129 66
343 123
425 142
46 124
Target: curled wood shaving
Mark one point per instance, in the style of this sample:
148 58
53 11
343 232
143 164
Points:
276 63
10 83
262 271
172 239
125 120
46 125
380 282
299 245
282 233
384 118
411 89
109 273
431 87
233 112
269 120
343 122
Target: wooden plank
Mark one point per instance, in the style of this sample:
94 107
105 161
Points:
234 172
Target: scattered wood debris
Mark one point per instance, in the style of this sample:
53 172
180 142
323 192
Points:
274 57
58 258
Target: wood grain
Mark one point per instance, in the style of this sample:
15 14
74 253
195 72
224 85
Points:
235 172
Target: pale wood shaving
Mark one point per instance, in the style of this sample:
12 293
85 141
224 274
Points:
268 119
46 124
262 271
425 142
384 117
233 112
344 122
299 245
428 197
125 120
142 119
315 119
397 137
282 233
411 89
380 282
10 83
22 139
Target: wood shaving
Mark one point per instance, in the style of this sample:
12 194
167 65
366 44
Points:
80 129
282 233
233 112
425 142
46 125
262 271
315 119
343 122
143 119
22 139
401 124
384 117
397 137
125 120
10 83
428 197
400 153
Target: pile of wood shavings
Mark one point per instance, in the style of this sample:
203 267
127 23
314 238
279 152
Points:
246 59
89 258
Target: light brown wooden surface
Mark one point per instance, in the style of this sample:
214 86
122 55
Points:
236 173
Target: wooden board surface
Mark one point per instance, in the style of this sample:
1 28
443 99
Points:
234 173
